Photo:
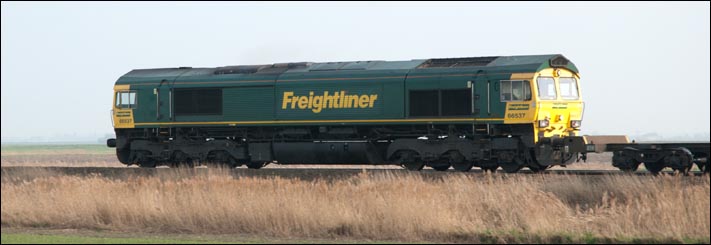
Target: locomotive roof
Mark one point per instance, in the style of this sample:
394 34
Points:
528 63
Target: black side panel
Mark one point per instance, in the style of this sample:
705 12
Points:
456 102
260 152
198 102
322 152
424 103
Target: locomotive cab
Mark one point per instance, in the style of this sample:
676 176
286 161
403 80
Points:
559 105
558 116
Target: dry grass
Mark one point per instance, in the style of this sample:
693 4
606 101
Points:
393 206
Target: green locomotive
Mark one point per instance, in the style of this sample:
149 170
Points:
489 112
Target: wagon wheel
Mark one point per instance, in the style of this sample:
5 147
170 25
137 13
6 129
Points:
704 167
626 159
654 167
681 160
631 167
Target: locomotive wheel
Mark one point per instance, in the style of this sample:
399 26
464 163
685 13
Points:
537 168
511 167
414 166
147 164
463 166
654 167
682 171
439 166
123 155
143 161
220 164
223 159
182 160
256 165
488 165
184 164
546 156
233 163
410 160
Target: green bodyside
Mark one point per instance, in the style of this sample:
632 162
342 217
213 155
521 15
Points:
248 103
386 84
257 99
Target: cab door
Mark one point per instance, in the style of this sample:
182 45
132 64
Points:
482 96
163 102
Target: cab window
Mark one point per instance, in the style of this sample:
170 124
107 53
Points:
516 90
126 99
568 88
546 88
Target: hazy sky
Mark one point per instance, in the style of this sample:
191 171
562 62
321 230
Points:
644 66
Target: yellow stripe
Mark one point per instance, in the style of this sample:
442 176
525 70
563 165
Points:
515 76
328 121
122 87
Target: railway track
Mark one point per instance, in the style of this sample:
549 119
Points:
26 173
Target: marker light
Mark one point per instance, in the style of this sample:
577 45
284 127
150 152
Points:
543 123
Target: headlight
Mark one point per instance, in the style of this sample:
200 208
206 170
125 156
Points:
575 123
543 123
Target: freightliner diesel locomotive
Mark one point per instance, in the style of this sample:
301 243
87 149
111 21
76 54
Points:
511 112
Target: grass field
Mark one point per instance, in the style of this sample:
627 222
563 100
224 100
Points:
462 208
123 238
217 207
44 236
68 239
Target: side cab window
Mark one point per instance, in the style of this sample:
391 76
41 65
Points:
515 90
126 99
